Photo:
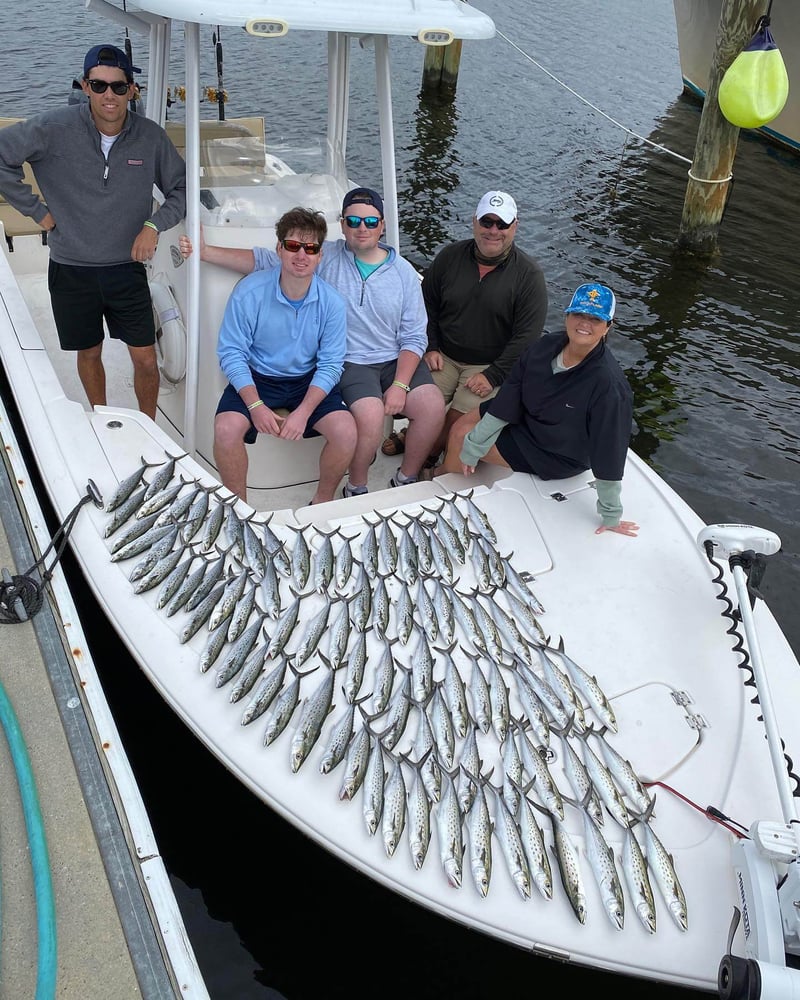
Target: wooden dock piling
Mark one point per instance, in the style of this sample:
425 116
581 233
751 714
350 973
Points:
440 70
711 173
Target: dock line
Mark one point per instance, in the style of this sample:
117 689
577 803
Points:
21 596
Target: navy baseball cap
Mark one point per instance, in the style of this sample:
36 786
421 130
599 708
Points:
594 300
363 196
109 55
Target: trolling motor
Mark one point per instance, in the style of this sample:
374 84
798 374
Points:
770 858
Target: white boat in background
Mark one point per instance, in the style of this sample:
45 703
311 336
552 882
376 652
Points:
653 656
697 22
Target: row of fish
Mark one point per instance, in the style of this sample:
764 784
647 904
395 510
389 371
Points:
392 610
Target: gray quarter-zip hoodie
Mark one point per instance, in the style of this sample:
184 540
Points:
99 205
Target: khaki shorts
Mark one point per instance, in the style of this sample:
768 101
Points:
451 381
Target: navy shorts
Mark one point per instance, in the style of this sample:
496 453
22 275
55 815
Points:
285 393
82 297
360 381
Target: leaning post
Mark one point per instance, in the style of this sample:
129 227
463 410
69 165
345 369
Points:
711 172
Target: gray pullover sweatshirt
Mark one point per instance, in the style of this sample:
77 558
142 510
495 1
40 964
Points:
99 205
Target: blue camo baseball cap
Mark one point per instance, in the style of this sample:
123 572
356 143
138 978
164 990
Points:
109 55
594 300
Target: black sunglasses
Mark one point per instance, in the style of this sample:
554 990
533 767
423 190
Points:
354 221
118 87
486 223
295 246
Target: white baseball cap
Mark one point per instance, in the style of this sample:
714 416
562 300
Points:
497 203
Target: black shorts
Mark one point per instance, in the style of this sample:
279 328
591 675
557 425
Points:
520 451
280 393
82 297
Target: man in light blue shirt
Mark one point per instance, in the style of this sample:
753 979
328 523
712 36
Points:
386 335
282 345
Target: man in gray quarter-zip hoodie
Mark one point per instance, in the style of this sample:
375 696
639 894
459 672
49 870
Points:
96 164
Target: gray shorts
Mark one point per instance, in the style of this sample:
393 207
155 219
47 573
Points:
360 381
451 380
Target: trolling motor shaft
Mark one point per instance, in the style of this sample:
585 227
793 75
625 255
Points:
769 913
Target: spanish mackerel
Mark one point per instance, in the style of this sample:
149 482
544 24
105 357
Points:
314 711
126 488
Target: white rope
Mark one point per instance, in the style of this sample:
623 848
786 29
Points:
641 138
709 180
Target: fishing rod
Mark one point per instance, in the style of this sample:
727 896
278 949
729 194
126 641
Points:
217 40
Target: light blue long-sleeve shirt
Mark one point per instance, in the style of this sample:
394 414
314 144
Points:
262 330
385 311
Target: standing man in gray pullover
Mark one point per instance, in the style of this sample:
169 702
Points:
95 164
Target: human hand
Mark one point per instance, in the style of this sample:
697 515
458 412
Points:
629 528
48 223
266 421
433 359
185 245
394 400
467 470
479 384
294 425
144 246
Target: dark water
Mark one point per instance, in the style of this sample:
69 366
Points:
710 347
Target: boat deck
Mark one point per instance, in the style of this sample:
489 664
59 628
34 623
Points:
106 941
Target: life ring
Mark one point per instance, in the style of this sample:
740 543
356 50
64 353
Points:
170 332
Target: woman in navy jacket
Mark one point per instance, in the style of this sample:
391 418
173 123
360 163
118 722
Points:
566 407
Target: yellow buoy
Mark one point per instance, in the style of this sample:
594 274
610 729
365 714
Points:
755 86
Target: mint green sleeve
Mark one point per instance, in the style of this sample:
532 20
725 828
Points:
481 438
609 503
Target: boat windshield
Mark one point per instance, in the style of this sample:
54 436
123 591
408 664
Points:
244 183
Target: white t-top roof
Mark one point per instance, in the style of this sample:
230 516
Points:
384 17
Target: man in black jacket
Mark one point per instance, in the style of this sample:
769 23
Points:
486 301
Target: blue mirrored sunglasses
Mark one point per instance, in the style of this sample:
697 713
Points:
354 221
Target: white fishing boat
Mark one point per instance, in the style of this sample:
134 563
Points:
697 22
693 688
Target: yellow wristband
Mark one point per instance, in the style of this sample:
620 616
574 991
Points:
151 225
252 406
402 385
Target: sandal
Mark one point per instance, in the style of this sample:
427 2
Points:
395 444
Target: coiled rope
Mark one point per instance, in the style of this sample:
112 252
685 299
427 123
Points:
22 596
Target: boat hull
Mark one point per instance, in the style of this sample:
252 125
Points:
643 615
697 22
